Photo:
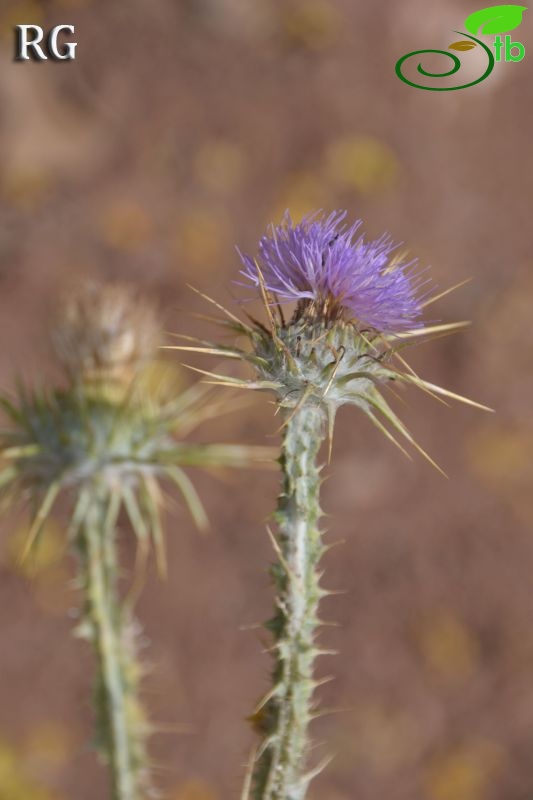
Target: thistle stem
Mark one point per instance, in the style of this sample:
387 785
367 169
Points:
280 770
119 719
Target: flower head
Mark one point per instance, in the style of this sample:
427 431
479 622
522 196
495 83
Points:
358 305
328 267
105 427
106 333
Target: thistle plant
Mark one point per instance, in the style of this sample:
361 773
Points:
107 442
356 305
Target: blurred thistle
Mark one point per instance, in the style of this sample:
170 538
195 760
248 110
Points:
106 441
357 304
106 337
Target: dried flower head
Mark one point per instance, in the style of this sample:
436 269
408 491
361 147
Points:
97 428
106 333
332 272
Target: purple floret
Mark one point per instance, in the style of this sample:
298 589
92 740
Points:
322 261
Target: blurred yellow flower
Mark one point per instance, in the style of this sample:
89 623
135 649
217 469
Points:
384 738
25 188
44 567
501 457
313 24
19 12
500 454
464 774
201 236
362 163
303 193
126 226
48 550
194 790
448 647
14 783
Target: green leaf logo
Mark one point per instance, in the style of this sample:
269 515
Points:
462 45
496 19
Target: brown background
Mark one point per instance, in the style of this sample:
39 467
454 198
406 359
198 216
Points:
181 129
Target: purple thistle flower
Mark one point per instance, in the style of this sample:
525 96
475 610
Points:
320 264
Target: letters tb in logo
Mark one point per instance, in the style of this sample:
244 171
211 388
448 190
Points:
30 44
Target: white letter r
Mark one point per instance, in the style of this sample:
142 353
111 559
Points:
24 43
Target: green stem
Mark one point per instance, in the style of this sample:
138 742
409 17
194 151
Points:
119 719
281 768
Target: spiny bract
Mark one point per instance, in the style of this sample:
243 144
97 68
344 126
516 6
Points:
107 423
357 306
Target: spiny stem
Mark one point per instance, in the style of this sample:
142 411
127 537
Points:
280 771
120 724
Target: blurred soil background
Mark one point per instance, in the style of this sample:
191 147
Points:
181 129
